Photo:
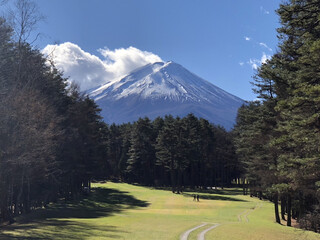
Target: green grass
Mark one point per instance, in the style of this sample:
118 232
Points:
123 211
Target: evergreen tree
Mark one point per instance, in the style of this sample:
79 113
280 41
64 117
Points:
166 149
142 153
288 85
51 139
298 103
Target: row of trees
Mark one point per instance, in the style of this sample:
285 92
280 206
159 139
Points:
172 152
51 137
278 138
53 141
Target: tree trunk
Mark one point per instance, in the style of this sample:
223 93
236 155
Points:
20 191
222 177
172 173
173 185
26 197
289 210
301 205
283 207
276 207
179 181
260 194
244 187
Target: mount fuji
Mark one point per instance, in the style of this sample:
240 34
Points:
161 89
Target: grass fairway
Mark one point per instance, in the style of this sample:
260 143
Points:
123 211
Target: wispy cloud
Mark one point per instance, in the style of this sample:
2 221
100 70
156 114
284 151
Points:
263 10
265 46
255 63
90 71
264 58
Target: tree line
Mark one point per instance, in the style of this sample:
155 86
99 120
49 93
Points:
51 136
173 152
53 141
278 137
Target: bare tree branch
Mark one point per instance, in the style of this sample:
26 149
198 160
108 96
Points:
24 19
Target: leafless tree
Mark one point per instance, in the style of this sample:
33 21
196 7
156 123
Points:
24 18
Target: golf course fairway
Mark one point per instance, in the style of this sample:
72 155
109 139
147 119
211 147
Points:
124 211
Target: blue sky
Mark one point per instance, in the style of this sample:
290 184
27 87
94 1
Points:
220 41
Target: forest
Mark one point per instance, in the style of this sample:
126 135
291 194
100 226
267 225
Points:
53 141
277 138
176 152
51 137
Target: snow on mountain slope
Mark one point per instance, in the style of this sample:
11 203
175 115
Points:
160 89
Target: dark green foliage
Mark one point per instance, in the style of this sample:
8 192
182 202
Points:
172 152
279 137
51 138
53 141
141 162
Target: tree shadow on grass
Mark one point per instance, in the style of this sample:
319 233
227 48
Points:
59 230
214 197
101 203
55 222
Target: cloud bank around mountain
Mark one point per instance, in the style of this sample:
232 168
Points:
88 70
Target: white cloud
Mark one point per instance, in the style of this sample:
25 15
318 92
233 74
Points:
247 38
255 63
89 71
265 46
264 58
263 10
241 63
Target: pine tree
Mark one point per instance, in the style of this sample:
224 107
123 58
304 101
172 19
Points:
166 149
288 85
299 102
141 160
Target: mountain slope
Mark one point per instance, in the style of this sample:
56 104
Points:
165 88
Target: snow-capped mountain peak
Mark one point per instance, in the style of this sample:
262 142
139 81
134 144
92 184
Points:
162 87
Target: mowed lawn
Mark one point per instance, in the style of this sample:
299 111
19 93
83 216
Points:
123 211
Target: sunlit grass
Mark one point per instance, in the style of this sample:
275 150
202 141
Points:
123 211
